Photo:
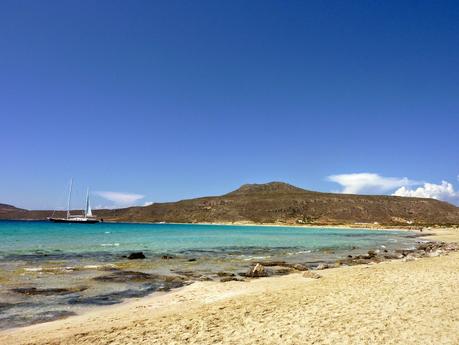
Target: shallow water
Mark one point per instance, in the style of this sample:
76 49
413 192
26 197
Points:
72 258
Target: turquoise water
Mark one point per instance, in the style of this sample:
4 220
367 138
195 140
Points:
44 237
51 270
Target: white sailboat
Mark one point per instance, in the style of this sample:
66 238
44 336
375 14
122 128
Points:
87 217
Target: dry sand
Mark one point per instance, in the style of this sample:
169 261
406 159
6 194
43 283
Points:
414 302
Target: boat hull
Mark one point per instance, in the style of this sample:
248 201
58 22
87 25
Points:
76 221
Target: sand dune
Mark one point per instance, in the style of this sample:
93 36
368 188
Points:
414 302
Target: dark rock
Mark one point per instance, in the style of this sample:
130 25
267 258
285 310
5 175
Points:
405 252
126 276
372 253
47 292
257 271
225 274
136 256
192 259
167 257
229 279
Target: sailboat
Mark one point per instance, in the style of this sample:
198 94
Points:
87 217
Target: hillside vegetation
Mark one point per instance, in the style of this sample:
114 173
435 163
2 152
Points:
278 202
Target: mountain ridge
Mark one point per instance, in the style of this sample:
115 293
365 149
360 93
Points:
282 203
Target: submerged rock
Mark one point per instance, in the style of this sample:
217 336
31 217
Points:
272 263
156 281
257 271
112 298
125 276
298 266
47 292
136 256
229 279
281 271
20 320
189 274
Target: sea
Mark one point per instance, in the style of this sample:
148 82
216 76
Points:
54 270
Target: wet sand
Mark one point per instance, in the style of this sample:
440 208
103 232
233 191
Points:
415 302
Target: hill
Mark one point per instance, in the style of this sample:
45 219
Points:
6 209
278 202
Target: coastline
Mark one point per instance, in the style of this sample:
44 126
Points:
293 307
363 226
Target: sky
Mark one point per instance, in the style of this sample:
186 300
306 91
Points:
152 101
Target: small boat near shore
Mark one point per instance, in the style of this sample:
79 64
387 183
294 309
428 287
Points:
86 218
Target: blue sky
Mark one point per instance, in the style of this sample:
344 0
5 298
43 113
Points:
165 100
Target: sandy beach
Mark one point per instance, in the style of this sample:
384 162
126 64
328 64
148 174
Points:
414 302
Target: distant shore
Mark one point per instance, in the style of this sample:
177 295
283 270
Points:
363 226
425 230
392 302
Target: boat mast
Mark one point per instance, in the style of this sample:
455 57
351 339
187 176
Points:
70 196
87 203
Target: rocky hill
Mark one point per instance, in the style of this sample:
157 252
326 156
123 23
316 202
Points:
278 202
6 209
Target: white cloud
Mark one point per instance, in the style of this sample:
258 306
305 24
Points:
148 203
444 191
369 183
120 199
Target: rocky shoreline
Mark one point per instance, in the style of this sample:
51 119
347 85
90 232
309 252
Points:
425 249
141 284
264 268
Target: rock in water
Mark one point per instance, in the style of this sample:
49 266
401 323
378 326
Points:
126 276
229 279
47 292
299 267
136 255
257 271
